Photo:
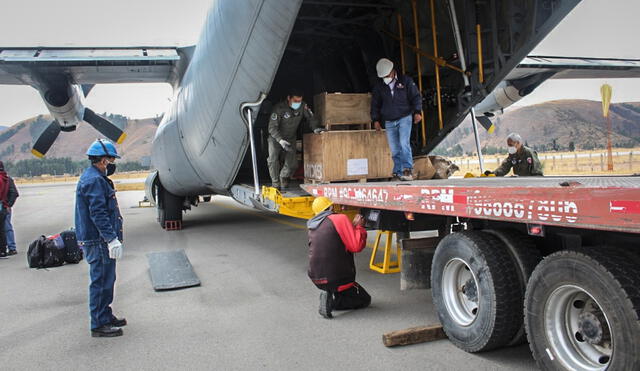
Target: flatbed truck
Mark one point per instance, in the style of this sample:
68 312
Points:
549 260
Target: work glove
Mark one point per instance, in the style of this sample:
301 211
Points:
285 145
115 249
319 130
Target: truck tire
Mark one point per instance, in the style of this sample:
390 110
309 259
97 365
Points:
169 206
526 257
475 291
582 311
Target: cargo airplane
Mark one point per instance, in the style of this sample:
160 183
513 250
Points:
465 55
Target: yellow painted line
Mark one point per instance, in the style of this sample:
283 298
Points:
121 187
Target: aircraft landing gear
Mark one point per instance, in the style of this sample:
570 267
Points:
169 209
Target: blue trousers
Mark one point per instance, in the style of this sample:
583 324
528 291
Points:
8 230
399 136
102 271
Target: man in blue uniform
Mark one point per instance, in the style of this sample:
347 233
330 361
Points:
99 232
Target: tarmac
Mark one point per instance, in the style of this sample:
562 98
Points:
256 308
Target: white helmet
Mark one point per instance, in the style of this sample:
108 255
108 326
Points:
384 67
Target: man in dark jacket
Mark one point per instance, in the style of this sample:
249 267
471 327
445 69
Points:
4 207
99 232
333 239
396 101
12 196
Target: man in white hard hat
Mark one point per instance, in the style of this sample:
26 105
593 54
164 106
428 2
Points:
397 102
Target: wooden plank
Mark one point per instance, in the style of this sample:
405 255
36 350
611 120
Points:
413 335
338 108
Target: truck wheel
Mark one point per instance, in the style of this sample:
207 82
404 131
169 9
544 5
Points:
526 257
169 206
582 311
475 291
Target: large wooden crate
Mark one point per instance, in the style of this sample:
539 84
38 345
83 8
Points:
339 109
347 155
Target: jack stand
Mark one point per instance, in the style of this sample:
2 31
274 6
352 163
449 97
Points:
387 265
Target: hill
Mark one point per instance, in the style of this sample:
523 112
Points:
17 141
555 125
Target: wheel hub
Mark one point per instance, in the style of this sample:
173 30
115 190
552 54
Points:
470 290
590 327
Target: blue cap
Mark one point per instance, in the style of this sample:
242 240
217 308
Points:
102 147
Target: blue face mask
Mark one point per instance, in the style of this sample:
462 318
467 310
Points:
296 105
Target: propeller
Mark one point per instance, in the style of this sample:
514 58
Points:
486 124
46 139
104 126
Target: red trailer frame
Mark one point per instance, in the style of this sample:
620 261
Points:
600 203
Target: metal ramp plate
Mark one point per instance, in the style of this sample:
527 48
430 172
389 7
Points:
171 270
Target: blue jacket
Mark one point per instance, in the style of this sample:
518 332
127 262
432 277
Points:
98 218
405 100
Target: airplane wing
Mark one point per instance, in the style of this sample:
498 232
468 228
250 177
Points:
65 76
21 66
576 68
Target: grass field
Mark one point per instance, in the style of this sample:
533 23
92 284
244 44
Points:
625 161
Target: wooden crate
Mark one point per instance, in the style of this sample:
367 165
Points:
347 155
337 109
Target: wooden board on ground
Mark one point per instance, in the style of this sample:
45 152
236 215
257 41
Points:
413 335
342 109
347 156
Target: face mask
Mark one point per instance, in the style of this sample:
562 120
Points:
111 168
511 150
296 105
387 80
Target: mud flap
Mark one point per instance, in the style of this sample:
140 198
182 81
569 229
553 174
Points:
417 254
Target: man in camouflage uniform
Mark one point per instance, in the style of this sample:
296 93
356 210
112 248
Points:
283 128
523 160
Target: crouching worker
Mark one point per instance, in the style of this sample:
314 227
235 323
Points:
99 232
333 239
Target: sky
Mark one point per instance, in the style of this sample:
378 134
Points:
595 28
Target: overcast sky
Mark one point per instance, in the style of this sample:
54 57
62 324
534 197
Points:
595 28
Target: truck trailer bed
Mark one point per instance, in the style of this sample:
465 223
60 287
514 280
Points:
604 203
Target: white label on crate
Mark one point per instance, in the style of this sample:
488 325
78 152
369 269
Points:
357 166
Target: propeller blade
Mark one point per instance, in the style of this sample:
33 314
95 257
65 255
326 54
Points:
86 88
46 139
486 124
104 126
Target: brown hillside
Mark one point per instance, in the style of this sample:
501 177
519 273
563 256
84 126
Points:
16 142
577 121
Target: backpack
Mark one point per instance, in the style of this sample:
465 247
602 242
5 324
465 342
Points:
53 251
73 253
35 253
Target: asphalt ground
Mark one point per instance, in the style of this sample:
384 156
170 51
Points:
256 308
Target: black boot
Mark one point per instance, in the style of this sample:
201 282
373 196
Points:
326 304
106 331
118 322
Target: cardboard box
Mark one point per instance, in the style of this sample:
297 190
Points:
340 109
347 155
